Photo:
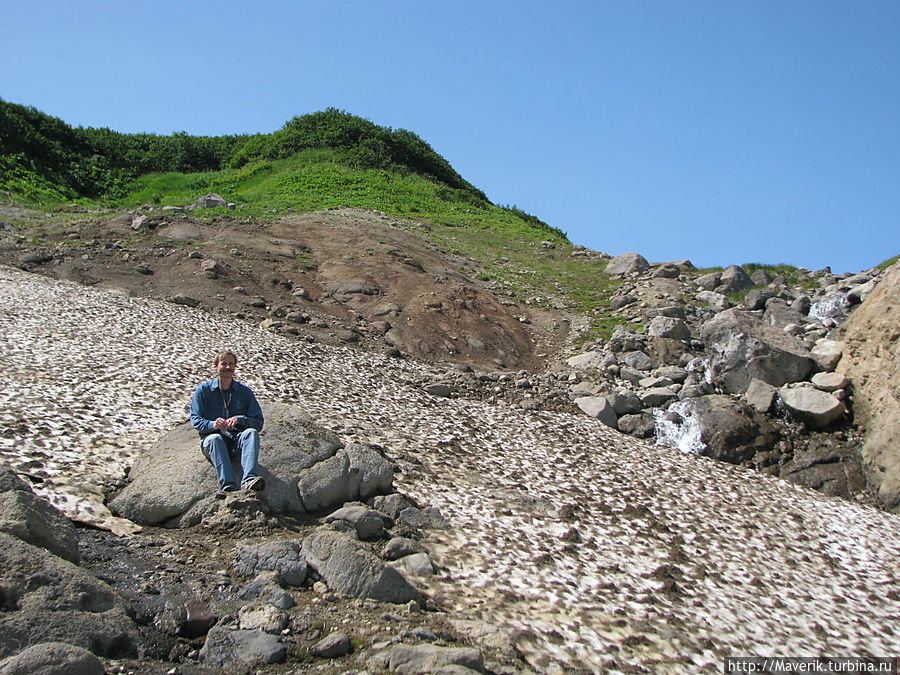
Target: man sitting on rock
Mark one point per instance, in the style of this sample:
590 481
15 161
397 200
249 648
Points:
229 420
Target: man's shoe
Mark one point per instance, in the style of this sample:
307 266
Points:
221 494
256 484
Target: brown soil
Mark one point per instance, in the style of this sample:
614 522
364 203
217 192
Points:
367 283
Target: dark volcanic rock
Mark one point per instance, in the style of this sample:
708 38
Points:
742 347
46 599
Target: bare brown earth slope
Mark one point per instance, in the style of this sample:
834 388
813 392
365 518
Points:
346 277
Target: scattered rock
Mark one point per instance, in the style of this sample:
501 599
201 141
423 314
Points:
228 649
53 658
351 570
818 409
627 263
432 659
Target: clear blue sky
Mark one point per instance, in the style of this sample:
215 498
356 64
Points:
724 131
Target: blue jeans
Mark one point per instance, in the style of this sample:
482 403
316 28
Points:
220 452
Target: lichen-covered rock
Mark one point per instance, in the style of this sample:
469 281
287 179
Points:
351 570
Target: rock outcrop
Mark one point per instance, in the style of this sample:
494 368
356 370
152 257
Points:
306 469
872 362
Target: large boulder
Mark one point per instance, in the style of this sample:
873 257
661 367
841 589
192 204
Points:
171 476
735 279
354 473
52 658
627 263
44 598
349 569
729 430
35 520
817 409
872 362
741 347
240 650
433 659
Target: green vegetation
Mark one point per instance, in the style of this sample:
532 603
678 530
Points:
887 263
325 160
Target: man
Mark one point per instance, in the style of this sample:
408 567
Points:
229 420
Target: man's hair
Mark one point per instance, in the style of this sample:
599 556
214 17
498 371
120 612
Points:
221 356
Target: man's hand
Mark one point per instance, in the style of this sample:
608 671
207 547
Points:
221 423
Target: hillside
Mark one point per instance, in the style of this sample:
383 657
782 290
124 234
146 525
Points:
644 467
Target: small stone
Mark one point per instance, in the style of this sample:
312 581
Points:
332 647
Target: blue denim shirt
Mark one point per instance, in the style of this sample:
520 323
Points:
208 403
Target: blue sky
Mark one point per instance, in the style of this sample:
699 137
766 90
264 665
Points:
723 131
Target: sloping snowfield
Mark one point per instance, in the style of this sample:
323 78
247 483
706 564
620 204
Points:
584 544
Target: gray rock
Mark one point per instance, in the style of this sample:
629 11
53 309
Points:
53 658
625 402
654 381
598 407
715 300
429 518
186 300
709 282
730 430
211 201
620 301
391 505
842 479
667 271
416 564
742 347
230 649
440 389
674 373
735 279
626 341
172 476
830 382
657 397
668 327
760 395
354 473
282 557
827 353
818 409
802 305
10 480
351 570
368 523
632 375
47 599
638 360
430 658
587 360
35 520
627 263
858 294
398 547
641 425
212 269
263 616
760 277
757 297
332 647
778 314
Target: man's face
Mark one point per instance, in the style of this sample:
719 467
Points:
225 368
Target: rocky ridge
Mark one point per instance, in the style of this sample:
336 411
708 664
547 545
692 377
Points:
571 546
